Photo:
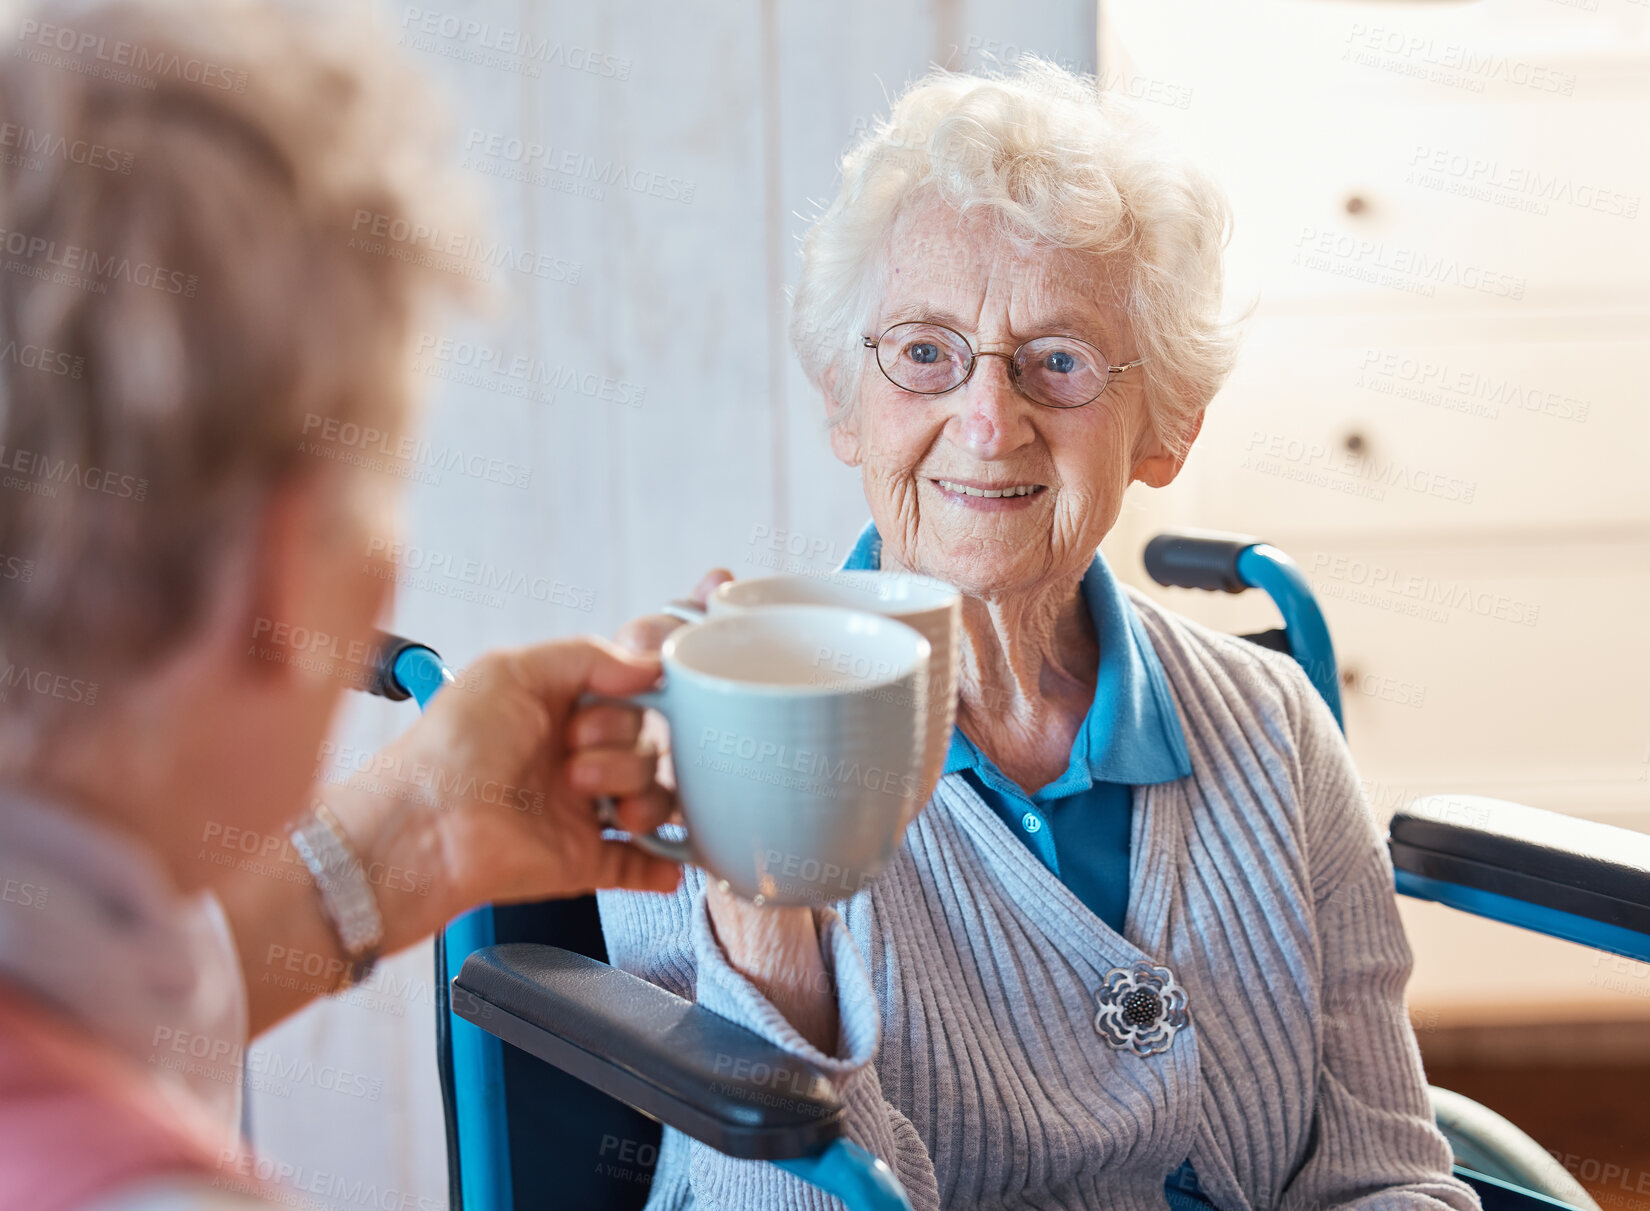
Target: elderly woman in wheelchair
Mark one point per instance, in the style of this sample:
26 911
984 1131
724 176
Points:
1143 941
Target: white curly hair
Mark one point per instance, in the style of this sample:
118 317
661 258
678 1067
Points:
1061 165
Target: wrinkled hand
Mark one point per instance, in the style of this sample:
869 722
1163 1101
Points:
648 633
490 796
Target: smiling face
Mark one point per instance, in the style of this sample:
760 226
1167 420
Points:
981 486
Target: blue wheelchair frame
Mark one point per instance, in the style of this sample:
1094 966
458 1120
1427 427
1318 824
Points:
474 1085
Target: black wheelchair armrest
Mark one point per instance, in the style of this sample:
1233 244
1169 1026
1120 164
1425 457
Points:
1555 862
683 1065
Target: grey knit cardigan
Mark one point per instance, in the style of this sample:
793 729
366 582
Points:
968 1055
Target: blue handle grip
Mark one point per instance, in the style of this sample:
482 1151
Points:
419 671
1232 563
1269 569
416 671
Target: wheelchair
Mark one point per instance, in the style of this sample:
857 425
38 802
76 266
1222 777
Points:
557 1069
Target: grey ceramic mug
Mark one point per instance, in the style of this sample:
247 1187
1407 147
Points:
931 606
797 737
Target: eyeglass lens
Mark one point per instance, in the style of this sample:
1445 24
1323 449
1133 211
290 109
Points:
1057 371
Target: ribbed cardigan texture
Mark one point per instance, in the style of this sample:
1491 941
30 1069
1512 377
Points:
968 1058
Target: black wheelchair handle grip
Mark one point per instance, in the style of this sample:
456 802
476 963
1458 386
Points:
1198 559
381 678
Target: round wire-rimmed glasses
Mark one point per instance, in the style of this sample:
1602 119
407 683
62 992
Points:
1054 371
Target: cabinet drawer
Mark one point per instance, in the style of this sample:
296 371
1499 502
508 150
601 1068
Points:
1383 426
1442 206
1405 156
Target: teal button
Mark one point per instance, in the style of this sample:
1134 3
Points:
1031 823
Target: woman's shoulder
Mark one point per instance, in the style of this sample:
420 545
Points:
1207 664
1228 688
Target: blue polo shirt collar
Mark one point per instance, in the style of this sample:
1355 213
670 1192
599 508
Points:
1131 735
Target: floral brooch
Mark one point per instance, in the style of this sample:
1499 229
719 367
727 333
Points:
1141 1008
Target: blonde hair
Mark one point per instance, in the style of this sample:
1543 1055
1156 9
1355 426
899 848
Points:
184 268
1060 165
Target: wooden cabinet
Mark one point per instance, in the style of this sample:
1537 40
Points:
1441 408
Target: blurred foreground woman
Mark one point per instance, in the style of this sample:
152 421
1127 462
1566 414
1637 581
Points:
210 272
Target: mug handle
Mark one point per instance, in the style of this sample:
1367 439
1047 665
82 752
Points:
687 611
668 848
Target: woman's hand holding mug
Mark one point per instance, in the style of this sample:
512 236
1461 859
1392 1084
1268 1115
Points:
487 798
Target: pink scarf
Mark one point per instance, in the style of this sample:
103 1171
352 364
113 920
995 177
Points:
103 968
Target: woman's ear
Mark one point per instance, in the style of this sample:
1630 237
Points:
315 574
845 433
1157 468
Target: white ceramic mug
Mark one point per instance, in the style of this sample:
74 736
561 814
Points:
797 739
931 606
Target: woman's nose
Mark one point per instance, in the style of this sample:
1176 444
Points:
991 419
